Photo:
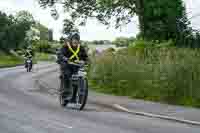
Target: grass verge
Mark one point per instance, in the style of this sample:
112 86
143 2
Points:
167 75
9 60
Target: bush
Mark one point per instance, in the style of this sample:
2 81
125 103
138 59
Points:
20 52
152 44
42 46
169 75
123 41
109 50
45 57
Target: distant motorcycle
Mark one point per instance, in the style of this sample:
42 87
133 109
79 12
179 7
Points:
79 84
28 64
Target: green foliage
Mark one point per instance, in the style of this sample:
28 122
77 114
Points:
159 19
152 44
164 20
5 26
25 17
44 31
50 31
42 46
109 51
167 75
45 57
98 42
9 60
69 27
13 30
103 10
123 41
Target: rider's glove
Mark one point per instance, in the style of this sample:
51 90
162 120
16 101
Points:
65 59
82 62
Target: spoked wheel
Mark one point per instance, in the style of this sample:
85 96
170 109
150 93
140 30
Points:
82 94
62 100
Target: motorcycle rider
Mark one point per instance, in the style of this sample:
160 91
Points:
28 55
71 51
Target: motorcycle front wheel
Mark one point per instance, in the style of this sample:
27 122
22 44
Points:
82 94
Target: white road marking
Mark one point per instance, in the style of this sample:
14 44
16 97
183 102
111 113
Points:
157 116
121 108
60 124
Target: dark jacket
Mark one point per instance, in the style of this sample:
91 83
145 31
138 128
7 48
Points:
65 52
29 53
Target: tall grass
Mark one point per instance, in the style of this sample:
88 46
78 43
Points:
169 75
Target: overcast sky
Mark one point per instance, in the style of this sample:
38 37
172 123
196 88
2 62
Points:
93 30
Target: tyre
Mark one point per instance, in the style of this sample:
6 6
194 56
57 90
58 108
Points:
28 69
82 96
62 100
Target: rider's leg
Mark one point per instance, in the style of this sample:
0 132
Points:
74 70
67 83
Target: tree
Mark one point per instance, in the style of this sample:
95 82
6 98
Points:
44 31
122 11
13 30
50 35
5 24
23 23
163 19
158 18
25 17
42 46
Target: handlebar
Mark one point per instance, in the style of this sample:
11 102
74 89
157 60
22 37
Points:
78 64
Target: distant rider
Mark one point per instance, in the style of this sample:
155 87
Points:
28 55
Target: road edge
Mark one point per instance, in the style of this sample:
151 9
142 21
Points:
120 108
11 66
164 117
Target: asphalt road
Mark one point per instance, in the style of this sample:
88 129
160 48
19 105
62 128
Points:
24 109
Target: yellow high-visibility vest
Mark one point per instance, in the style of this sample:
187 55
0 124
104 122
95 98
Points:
75 53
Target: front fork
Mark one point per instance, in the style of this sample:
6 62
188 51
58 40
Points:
77 89
81 86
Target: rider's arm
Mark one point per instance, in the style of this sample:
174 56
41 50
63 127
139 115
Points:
61 55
